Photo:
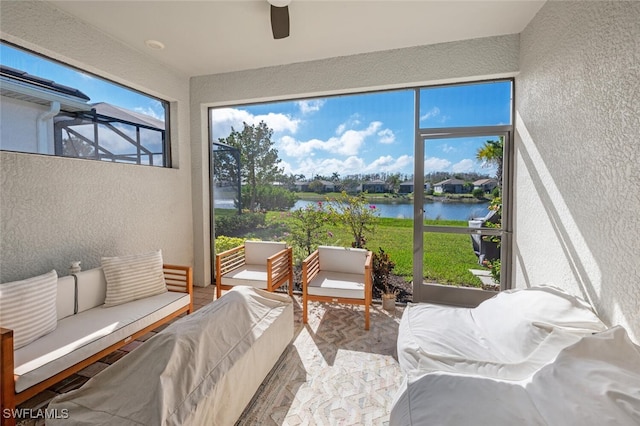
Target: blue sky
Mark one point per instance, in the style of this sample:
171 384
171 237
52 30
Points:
97 89
374 132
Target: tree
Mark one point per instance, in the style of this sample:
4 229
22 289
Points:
491 154
394 181
307 227
258 159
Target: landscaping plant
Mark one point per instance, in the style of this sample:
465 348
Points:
354 212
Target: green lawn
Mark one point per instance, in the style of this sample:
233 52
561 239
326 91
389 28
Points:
447 258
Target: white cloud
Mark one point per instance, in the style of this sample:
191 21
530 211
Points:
223 119
434 115
466 165
386 136
389 164
434 164
448 148
348 143
350 165
433 112
278 122
309 106
150 112
353 121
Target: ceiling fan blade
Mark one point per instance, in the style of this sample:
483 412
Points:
280 21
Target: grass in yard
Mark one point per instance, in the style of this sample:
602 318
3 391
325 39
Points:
447 257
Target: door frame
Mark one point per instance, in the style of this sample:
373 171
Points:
453 295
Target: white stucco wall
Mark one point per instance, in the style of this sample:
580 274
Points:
54 210
491 57
18 125
577 223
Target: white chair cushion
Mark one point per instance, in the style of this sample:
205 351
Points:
28 307
337 284
342 259
133 277
251 275
257 252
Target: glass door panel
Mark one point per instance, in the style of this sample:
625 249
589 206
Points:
463 180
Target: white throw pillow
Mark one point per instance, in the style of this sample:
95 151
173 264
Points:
28 307
133 277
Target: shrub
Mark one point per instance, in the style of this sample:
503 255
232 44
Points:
478 193
494 268
238 224
223 243
272 198
382 268
307 227
354 212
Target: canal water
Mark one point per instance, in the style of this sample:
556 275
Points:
432 209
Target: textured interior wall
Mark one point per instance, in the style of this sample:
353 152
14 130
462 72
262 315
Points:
442 63
55 210
577 222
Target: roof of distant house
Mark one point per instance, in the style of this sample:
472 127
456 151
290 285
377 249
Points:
41 82
485 181
109 110
451 181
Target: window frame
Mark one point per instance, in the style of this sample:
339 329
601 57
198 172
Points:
166 105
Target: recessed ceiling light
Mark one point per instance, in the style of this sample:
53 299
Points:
154 44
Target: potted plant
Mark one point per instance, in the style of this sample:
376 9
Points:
382 268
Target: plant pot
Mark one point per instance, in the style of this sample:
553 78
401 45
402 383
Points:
389 302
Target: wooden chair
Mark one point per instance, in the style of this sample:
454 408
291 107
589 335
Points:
261 264
338 274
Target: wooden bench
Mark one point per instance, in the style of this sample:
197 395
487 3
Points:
53 357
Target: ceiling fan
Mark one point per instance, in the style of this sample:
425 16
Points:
279 18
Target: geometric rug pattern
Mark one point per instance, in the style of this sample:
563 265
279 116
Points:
334 372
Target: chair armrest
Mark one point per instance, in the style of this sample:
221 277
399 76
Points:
280 266
368 278
7 378
229 260
310 268
179 279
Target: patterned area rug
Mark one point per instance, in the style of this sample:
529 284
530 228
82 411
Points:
334 372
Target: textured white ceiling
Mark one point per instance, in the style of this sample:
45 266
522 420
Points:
209 37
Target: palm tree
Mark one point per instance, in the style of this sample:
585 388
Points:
491 154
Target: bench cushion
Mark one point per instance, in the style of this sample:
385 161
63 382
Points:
28 307
92 289
66 297
251 275
337 284
79 336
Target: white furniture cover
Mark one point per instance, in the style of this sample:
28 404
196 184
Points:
595 381
508 336
201 370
